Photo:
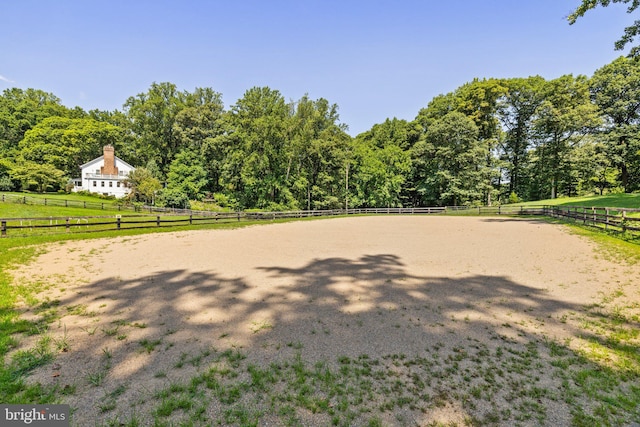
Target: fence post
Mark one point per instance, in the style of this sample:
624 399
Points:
118 222
67 225
158 221
3 227
45 201
190 219
624 221
66 203
84 204
238 216
606 218
103 206
24 200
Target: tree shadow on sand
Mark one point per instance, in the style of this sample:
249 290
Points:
474 347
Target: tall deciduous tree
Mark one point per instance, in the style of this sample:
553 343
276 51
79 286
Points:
42 175
143 186
454 161
198 127
378 174
187 175
564 115
479 101
316 154
21 110
615 89
153 117
516 111
67 143
260 122
391 142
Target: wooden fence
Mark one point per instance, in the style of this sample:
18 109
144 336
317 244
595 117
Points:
27 200
106 205
29 226
614 219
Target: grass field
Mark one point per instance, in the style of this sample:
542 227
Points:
14 207
611 200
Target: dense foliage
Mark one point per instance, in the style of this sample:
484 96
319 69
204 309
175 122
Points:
489 141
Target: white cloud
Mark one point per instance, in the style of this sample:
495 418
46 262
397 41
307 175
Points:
4 79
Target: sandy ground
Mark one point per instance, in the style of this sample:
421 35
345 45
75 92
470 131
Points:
326 288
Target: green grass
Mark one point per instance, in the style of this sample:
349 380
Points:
14 208
618 200
61 196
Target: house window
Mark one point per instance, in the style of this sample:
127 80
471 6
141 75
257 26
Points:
94 183
118 184
97 171
101 183
110 183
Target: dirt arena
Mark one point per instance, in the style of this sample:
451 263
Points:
140 314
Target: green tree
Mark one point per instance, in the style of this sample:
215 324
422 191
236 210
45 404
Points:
563 117
630 32
615 89
126 143
42 175
143 186
316 154
260 123
200 127
479 100
21 110
454 161
67 143
187 175
152 118
593 167
403 135
378 174
516 112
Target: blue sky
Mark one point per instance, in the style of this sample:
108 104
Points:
375 59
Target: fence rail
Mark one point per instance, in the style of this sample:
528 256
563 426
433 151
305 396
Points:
19 227
106 205
614 219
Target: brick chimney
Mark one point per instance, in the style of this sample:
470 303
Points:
109 167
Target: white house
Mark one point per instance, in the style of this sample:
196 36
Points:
104 175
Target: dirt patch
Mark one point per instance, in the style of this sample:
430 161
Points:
386 320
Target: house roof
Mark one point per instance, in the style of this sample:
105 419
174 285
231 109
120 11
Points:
99 159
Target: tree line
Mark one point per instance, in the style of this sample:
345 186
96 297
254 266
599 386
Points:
489 141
